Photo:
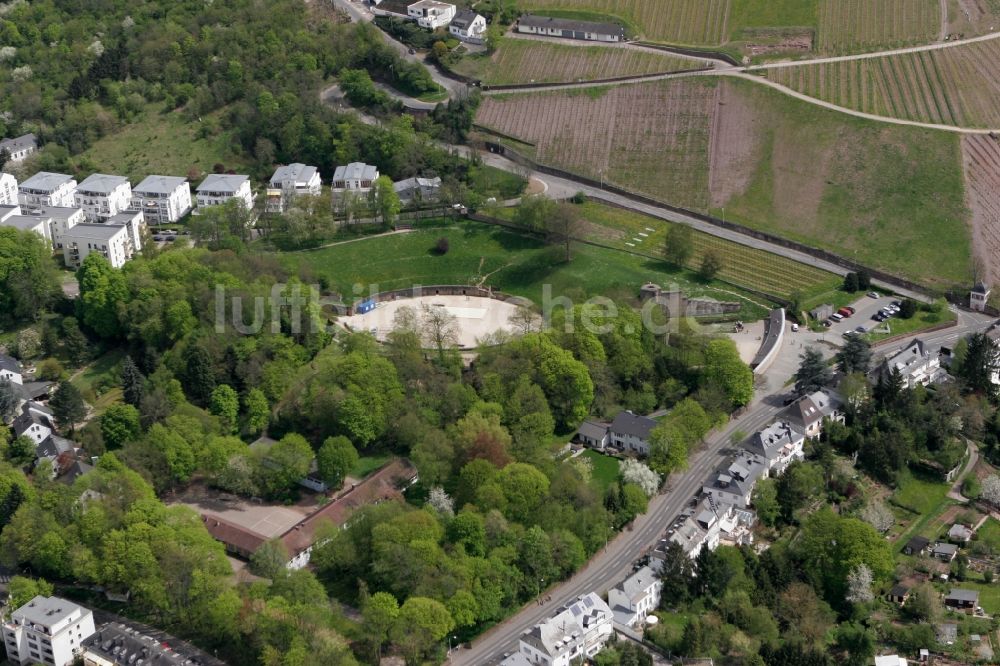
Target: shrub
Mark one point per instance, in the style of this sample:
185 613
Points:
442 246
907 309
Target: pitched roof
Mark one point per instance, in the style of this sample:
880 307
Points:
19 143
945 549
960 531
53 446
980 288
627 423
295 173
232 534
899 590
222 182
414 183
546 22
46 181
813 408
587 611
918 543
592 430
10 364
101 183
958 594
158 185
635 586
356 171
776 436
464 18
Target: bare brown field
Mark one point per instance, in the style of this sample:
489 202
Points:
952 86
650 137
857 25
981 160
967 18
535 61
735 148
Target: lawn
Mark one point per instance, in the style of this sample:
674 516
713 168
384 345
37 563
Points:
368 464
493 182
160 143
922 501
98 382
989 534
605 469
916 323
514 263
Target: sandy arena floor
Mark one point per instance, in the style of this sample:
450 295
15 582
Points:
476 317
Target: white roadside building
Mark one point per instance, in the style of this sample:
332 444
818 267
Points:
47 189
575 633
635 597
468 26
162 199
431 14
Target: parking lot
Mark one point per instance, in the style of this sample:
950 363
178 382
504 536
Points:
865 307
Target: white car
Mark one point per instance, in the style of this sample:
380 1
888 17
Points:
795 328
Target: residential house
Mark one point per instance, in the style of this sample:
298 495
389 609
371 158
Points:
635 597
391 8
630 432
915 364
10 369
69 468
779 444
291 181
960 534
593 434
47 630
18 149
52 448
916 545
734 485
219 188
898 594
468 26
414 191
978 297
352 182
111 240
8 190
34 421
61 220
47 189
945 552
710 525
102 196
431 14
960 599
36 223
162 199
574 633
135 222
807 413
570 29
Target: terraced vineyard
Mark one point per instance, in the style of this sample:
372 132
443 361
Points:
532 61
852 25
651 137
952 86
703 22
982 190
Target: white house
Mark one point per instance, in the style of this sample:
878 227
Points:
10 369
61 220
37 223
352 181
102 196
34 421
779 444
570 29
630 432
47 630
47 189
219 188
289 182
8 190
735 484
162 199
978 298
808 413
635 597
575 633
468 26
417 190
19 148
431 14
593 434
915 364
112 240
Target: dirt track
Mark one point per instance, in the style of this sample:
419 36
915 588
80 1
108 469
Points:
981 161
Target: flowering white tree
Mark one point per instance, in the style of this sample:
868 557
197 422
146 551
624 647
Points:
859 585
878 515
991 489
633 471
441 502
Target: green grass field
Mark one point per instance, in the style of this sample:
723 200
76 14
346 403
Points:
605 469
921 501
917 322
508 261
159 143
98 381
368 464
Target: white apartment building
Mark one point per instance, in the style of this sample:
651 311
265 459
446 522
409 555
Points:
162 199
468 26
111 240
573 634
431 14
37 223
8 190
352 182
19 148
102 196
135 222
47 189
289 182
61 220
47 630
219 188
635 597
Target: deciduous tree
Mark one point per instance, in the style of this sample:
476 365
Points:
335 460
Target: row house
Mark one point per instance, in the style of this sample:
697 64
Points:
47 189
102 196
162 199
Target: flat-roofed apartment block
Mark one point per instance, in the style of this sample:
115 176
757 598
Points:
101 196
47 189
162 199
111 240
47 630
36 223
219 188
8 190
288 182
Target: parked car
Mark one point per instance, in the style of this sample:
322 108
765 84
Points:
861 329
836 316
848 334
873 294
850 309
795 328
876 317
844 312
896 304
